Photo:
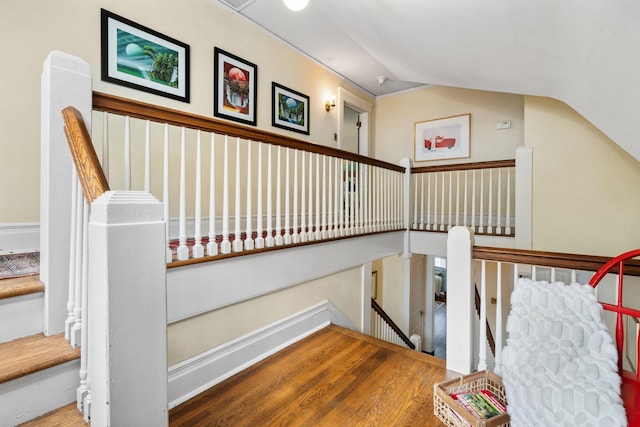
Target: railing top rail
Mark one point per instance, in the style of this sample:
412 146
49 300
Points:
376 307
90 173
550 259
141 110
465 166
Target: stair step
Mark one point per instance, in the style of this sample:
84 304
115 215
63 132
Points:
21 305
31 354
67 416
14 287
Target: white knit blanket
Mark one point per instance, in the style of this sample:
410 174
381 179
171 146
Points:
560 365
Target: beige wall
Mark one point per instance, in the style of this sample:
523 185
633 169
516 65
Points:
193 336
33 28
585 187
395 116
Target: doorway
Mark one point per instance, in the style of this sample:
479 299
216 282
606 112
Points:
354 113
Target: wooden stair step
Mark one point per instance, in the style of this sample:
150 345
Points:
67 416
34 353
20 286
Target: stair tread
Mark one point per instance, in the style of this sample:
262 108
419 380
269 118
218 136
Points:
67 416
20 286
34 353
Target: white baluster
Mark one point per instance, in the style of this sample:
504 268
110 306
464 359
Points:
198 250
127 153
553 275
259 243
318 232
248 240
83 390
342 202
237 232
499 207
481 226
508 218
323 232
337 191
422 195
490 211
73 249
482 361
287 212
105 144
435 201
183 250
450 219
310 235
225 245
498 341
278 238
165 195
442 225
330 200
415 224
457 198
212 245
533 273
295 238
303 199
269 240
428 225
466 185
147 158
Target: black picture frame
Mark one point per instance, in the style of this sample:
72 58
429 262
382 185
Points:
235 87
290 109
138 57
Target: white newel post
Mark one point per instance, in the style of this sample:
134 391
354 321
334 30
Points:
65 81
460 300
127 311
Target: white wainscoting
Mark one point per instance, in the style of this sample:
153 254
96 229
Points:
19 237
195 375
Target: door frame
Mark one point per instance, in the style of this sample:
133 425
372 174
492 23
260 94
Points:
364 109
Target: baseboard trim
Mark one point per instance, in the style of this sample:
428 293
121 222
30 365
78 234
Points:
19 237
199 373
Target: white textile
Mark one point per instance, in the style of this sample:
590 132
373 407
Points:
560 365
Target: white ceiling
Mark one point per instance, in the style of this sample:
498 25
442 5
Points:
583 52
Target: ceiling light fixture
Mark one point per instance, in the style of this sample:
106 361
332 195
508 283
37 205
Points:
381 80
296 5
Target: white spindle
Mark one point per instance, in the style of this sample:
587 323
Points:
337 182
457 198
573 276
198 250
248 240
442 226
481 226
553 275
165 195
127 153
499 207
330 200
237 232
225 244
269 240
105 144
428 227
422 194
435 201
323 233
498 340
278 238
482 361
533 273
76 327
415 202
466 185
296 233
490 211
318 233
83 390
259 243
73 249
212 244
508 216
310 235
183 250
303 198
450 220
473 201
147 158
287 212
343 189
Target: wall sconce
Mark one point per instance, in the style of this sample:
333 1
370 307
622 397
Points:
330 104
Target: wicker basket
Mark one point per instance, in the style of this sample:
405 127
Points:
453 414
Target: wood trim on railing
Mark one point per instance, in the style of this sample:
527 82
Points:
392 324
465 166
478 301
127 107
550 259
90 173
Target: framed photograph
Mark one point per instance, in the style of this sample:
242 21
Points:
290 109
441 139
143 59
234 88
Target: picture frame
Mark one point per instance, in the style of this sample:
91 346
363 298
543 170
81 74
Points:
235 88
442 139
290 109
138 57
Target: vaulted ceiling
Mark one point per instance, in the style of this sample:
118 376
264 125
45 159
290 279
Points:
585 53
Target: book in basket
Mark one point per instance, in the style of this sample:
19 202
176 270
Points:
482 403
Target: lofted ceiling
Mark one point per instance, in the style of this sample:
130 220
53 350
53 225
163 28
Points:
585 53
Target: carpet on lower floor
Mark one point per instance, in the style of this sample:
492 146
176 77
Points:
18 265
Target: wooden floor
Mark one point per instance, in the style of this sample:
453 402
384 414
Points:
334 377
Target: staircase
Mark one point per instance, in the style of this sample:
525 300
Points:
37 373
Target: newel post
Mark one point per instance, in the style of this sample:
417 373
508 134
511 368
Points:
65 80
460 300
127 311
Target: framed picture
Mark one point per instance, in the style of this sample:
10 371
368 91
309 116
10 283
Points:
234 88
143 59
290 109
440 139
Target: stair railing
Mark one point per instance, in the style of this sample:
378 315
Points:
384 328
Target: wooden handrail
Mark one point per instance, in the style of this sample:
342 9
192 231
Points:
478 301
141 110
90 173
550 259
392 324
466 166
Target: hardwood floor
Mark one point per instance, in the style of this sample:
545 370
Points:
335 377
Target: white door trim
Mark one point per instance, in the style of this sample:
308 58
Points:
364 108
